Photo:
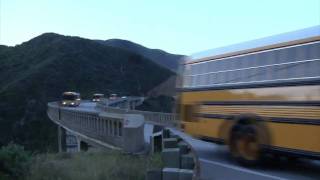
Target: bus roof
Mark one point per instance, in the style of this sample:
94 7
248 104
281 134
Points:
98 94
285 39
74 93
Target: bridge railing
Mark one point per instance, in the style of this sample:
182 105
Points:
91 124
158 118
105 123
126 103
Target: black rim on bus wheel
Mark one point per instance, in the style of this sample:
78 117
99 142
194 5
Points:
244 143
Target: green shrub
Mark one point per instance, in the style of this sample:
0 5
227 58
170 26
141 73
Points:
111 165
14 162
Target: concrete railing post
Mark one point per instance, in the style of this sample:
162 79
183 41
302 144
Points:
133 133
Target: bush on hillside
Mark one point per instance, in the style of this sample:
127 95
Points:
92 165
14 162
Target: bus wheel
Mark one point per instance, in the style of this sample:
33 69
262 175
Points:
245 144
235 133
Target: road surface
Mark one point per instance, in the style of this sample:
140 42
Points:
216 163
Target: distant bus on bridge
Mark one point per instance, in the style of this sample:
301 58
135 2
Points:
71 99
97 97
259 96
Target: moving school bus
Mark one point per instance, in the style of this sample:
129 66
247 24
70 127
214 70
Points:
71 99
256 97
97 97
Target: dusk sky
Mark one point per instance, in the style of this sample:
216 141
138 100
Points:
182 27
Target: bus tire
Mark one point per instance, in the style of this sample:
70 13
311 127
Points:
235 133
244 144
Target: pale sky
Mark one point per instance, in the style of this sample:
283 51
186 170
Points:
176 26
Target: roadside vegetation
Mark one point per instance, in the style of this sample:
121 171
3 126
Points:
17 164
14 162
92 165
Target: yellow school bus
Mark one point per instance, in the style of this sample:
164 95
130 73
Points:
259 96
72 99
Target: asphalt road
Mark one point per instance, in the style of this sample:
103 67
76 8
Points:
216 163
85 106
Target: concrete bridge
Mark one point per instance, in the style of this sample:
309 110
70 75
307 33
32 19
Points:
106 124
115 124
129 102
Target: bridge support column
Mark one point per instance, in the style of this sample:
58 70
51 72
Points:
78 144
61 139
72 143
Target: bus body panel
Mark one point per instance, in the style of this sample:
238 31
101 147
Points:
293 133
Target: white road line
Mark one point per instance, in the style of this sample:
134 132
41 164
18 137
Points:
242 169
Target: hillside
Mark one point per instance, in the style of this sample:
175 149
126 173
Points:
170 61
38 71
167 88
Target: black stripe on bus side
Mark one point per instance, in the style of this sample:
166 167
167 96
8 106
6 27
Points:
216 116
263 103
252 85
267 119
212 139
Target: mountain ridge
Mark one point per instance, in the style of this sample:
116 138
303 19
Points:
39 70
163 58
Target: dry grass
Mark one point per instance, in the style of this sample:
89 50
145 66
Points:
109 165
